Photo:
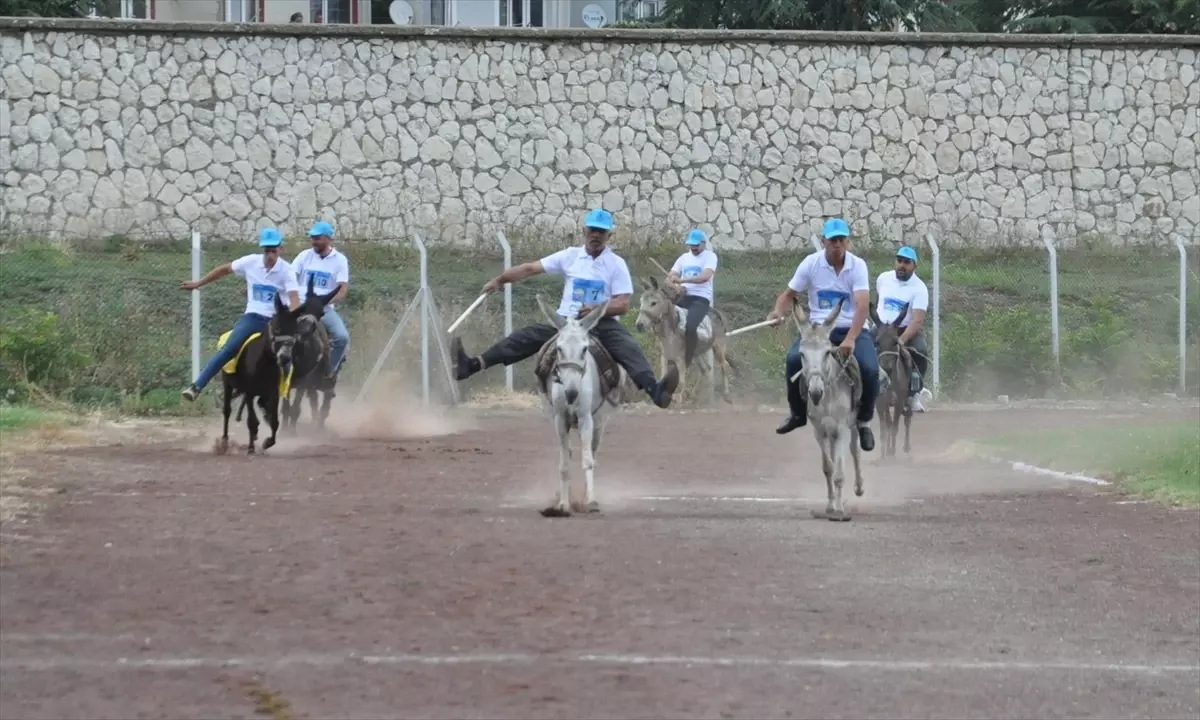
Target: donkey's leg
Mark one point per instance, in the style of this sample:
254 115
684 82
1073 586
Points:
562 508
252 423
826 446
271 412
589 431
842 442
720 351
858 478
227 409
907 423
326 403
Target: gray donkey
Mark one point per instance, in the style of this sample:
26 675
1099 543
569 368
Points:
896 369
834 387
659 315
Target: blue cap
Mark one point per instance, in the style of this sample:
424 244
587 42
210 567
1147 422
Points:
321 228
836 227
599 219
696 237
269 237
907 253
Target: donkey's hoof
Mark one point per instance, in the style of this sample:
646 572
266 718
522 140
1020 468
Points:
221 446
555 511
859 491
593 507
842 516
268 443
250 450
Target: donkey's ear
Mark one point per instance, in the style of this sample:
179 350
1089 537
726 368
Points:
596 315
324 299
653 282
279 306
837 312
874 314
311 278
798 314
900 318
555 319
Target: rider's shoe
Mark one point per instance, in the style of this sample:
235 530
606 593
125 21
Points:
465 365
866 438
792 423
665 388
190 393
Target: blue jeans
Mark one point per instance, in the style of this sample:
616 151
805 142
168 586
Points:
338 335
246 326
868 363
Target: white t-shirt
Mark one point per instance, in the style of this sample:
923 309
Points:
893 295
825 286
689 265
262 284
589 281
326 271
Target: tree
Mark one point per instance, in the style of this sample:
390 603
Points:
1165 17
42 8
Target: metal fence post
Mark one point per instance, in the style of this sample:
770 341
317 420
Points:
1182 314
508 325
1054 337
420 243
936 301
196 275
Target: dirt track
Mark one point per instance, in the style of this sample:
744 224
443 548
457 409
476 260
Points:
414 578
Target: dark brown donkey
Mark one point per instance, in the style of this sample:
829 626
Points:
895 373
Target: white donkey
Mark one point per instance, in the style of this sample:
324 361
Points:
834 388
580 384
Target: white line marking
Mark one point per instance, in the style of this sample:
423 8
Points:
1034 469
821 663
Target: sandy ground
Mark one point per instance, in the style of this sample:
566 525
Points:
397 566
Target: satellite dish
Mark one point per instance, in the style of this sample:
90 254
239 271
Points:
400 12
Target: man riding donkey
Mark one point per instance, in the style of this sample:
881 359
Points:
899 288
330 271
593 274
828 276
266 276
693 274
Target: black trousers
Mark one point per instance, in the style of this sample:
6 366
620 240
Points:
525 343
697 308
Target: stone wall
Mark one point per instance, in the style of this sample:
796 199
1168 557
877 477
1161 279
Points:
111 127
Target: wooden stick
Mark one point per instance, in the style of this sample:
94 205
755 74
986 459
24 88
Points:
755 326
454 326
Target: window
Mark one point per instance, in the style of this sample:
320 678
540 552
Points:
241 11
122 9
332 12
638 9
437 12
521 13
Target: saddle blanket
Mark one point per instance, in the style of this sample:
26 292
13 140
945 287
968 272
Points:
230 368
610 371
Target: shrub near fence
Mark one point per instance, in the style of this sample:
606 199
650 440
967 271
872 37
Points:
104 323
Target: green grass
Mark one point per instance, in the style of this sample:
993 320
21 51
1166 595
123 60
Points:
1160 461
21 418
107 325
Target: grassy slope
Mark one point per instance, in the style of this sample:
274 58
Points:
1116 313
1160 461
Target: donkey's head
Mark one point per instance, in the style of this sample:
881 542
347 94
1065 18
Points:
571 348
288 328
887 339
816 350
656 306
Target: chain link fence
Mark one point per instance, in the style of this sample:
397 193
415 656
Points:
106 323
